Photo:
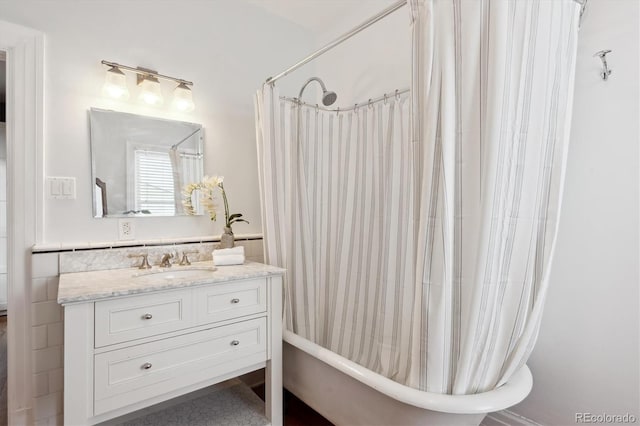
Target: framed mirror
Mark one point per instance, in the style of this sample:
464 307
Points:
140 164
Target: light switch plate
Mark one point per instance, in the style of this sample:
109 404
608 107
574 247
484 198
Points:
61 188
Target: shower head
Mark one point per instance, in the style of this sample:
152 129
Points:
328 97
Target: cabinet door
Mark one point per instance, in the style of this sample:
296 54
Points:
122 320
230 300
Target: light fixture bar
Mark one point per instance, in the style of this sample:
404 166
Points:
144 72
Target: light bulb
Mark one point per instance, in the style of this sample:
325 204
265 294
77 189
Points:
183 98
150 92
115 84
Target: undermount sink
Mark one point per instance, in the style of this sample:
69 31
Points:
169 274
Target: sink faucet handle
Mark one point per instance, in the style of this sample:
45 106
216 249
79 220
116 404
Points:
185 259
145 260
165 262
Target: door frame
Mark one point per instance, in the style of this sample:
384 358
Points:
24 49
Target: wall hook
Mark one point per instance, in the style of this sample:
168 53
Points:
606 72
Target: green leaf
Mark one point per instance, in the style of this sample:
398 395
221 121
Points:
233 216
238 220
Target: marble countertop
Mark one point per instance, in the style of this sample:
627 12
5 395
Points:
95 285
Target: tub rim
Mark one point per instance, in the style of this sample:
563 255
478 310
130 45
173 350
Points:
507 395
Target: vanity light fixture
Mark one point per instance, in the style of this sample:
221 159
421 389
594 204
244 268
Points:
115 84
150 91
182 98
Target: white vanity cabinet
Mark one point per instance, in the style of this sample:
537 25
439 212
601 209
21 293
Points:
158 341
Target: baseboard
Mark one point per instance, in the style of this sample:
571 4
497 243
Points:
507 418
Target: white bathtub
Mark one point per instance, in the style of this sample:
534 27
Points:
348 394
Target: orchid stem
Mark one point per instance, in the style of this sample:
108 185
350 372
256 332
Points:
226 206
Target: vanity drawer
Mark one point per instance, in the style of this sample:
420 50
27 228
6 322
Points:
136 373
121 320
230 300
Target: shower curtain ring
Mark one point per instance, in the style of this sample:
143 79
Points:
385 98
397 94
370 103
355 108
338 111
317 108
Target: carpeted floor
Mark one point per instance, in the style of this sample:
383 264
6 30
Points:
232 406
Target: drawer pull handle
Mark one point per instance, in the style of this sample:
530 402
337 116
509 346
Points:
235 300
147 316
146 366
235 343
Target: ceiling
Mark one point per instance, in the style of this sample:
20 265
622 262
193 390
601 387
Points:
325 19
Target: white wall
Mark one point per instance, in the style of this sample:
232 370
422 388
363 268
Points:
226 47
587 356
370 64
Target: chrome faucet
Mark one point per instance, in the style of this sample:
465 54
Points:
165 262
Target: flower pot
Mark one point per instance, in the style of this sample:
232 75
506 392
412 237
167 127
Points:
226 239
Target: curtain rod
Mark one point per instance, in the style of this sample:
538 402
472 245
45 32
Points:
389 10
385 97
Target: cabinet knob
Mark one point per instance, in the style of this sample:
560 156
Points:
147 316
235 300
146 366
235 343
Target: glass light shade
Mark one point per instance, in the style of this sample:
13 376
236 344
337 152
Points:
150 91
115 84
183 98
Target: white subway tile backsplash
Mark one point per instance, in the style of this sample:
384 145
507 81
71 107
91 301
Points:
52 288
45 312
47 406
44 265
40 384
39 290
3 218
50 421
47 359
55 334
71 246
3 179
42 247
56 380
3 290
3 250
39 337
99 244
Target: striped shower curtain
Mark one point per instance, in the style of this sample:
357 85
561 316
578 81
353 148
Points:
418 233
337 194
